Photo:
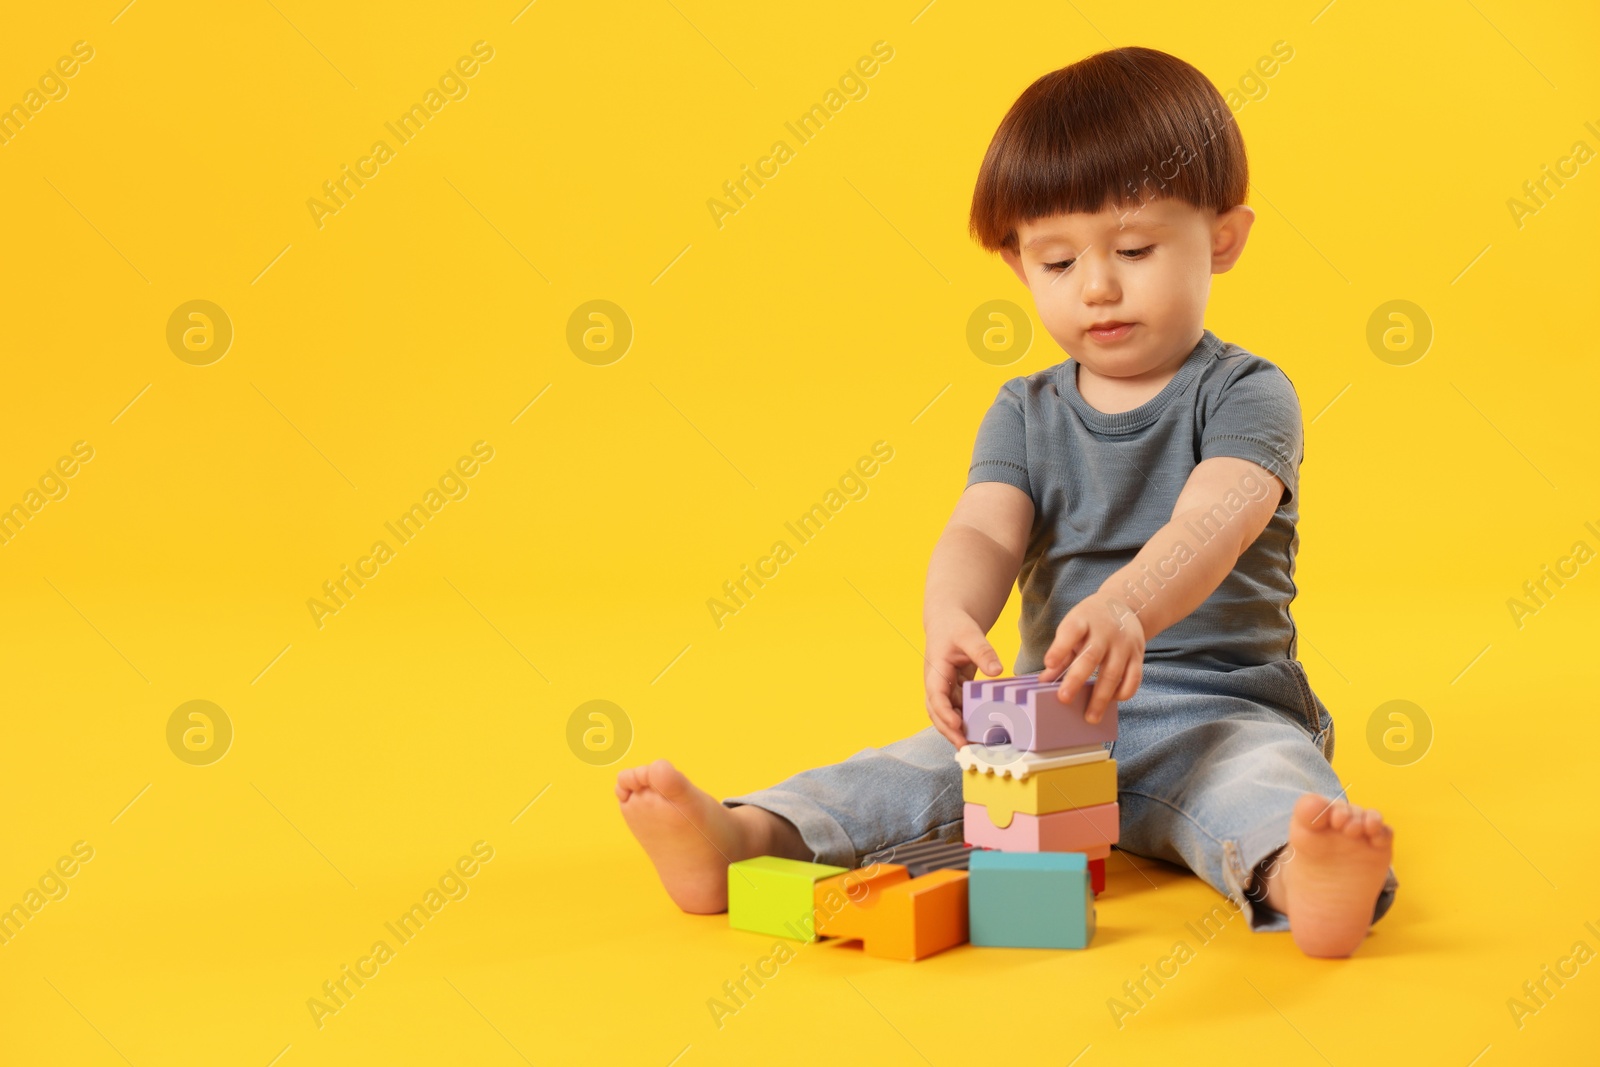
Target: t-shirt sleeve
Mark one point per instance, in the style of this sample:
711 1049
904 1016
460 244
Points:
1001 452
1257 418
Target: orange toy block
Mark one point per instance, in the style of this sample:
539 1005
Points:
894 916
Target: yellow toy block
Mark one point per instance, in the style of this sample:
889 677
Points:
1042 792
892 915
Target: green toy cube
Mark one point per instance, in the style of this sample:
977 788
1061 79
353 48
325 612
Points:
1029 899
773 895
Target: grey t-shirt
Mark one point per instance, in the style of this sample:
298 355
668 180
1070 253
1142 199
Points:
1103 484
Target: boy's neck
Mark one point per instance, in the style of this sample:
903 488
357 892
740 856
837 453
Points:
1112 396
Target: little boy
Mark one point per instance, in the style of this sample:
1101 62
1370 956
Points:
1143 494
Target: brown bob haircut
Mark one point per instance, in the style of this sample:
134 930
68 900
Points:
1120 127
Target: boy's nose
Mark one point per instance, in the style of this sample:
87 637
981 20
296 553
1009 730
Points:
1099 285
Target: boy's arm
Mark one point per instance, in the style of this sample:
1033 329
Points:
979 554
1227 500
970 574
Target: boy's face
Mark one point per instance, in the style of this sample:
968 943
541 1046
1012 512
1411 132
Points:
1148 266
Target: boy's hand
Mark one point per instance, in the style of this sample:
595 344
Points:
956 649
1100 632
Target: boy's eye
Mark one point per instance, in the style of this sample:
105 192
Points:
1130 253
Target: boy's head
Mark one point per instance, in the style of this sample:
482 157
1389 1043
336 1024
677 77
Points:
1115 188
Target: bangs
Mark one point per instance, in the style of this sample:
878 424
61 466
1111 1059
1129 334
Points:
1117 128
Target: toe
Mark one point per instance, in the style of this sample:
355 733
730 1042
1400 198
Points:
1308 808
668 780
631 779
1375 824
1338 815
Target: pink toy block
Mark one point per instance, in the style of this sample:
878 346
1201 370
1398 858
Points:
1073 830
1030 717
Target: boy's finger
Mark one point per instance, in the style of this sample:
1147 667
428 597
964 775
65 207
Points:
1068 634
1131 680
1082 667
943 717
938 663
982 654
1105 687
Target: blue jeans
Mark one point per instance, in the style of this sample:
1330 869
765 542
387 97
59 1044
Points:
1209 766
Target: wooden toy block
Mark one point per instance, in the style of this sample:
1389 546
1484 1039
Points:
773 895
1042 792
848 905
1096 857
983 689
924 856
1073 830
1096 852
1030 900
1028 715
893 916
1008 761
1007 689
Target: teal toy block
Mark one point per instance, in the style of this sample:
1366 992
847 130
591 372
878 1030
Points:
1029 899
773 895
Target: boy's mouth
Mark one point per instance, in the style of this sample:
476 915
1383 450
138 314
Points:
1110 331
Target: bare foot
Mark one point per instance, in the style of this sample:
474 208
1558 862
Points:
689 835
1338 862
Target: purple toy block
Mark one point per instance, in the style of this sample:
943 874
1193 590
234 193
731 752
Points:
1031 718
1012 691
983 688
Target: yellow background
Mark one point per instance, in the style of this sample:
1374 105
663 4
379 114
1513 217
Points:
768 355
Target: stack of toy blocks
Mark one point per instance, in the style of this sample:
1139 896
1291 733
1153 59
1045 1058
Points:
1040 815
1040 788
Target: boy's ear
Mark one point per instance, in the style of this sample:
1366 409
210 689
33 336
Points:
1228 235
1014 261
